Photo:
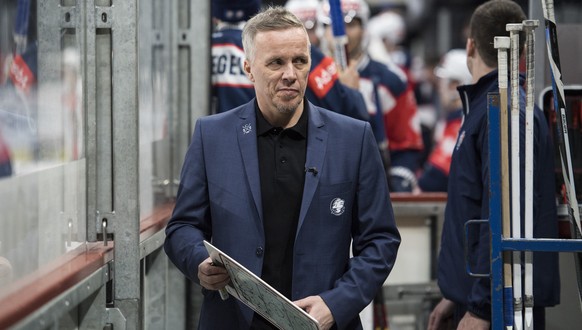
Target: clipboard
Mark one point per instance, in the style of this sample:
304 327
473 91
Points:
259 296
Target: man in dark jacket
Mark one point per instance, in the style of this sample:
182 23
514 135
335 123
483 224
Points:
468 299
295 193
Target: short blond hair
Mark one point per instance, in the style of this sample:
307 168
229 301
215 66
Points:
270 19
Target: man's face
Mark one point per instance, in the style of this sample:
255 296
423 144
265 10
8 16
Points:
355 34
279 70
448 94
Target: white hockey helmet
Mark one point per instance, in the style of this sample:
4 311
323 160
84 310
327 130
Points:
351 9
308 11
454 66
388 25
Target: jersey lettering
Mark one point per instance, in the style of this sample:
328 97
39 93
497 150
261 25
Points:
227 66
322 77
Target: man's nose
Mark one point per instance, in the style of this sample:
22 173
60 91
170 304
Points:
289 72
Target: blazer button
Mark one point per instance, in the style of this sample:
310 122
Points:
259 251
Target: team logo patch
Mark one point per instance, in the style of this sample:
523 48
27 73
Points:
247 128
337 206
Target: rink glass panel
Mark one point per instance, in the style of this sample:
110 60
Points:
42 141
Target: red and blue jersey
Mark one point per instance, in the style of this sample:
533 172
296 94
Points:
325 90
393 112
230 85
436 172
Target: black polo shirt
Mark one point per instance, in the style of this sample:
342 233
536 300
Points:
282 172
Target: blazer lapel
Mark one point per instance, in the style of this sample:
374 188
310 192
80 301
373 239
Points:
316 148
247 141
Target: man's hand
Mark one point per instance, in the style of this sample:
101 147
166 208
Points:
212 277
350 76
316 307
472 322
416 190
441 313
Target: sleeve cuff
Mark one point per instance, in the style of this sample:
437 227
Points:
482 311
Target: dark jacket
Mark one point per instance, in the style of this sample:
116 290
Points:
468 198
345 207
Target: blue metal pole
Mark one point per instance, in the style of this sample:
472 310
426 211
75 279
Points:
495 210
542 244
339 34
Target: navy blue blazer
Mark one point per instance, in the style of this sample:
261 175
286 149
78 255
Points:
219 200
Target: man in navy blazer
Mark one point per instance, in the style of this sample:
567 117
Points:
343 200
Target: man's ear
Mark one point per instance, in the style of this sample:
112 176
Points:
470 47
472 54
247 69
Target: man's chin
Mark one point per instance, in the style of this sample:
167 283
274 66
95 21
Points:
288 106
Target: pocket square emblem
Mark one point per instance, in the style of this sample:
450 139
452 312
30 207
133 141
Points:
337 206
247 128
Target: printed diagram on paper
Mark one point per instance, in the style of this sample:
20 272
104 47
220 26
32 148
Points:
260 296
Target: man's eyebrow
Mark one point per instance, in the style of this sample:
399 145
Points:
302 58
273 58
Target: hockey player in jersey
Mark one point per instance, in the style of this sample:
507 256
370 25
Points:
231 87
451 73
391 105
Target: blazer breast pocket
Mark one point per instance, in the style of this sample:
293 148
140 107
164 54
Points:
327 229
335 203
